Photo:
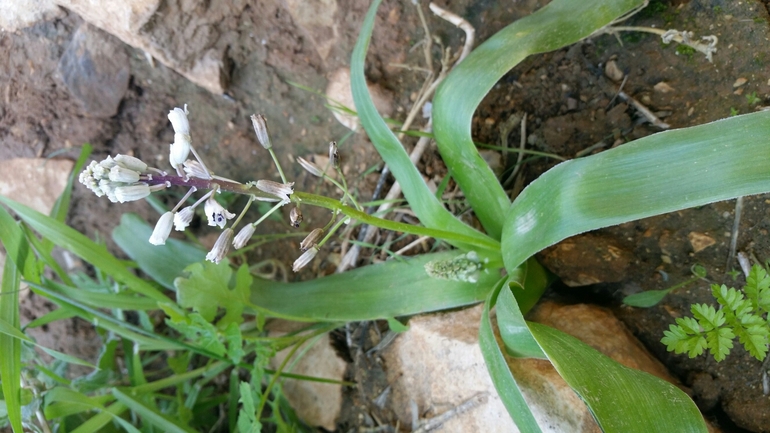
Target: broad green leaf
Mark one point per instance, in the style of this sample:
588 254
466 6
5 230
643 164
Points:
622 399
125 301
660 173
430 211
211 286
504 382
10 356
149 414
84 248
161 262
390 289
647 299
558 24
513 329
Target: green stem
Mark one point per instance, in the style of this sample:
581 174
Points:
277 165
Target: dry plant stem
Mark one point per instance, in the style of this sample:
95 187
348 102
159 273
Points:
470 32
411 245
649 115
437 421
706 49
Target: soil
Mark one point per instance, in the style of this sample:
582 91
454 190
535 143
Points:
570 105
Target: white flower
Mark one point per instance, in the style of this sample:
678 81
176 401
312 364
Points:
310 167
132 163
260 128
243 236
162 229
183 218
280 190
304 259
220 246
216 214
125 175
181 146
131 192
195 169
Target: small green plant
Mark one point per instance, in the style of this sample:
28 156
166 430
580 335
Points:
685 50
734 112
651 298
743 314
753 99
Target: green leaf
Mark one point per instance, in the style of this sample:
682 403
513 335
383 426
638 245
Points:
198 330
84 248
720 341
390 289
161 262
211 286
647 299
560 23
396 326
514 330
10 357
758 288
247 416
754 339
708 318
622 399
504 382
150 415
234 342
661 173
424 204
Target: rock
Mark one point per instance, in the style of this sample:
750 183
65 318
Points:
663 87
587 259
700 241
171 34
19 14
95 70
35 182
739 82
317 404
316 20
338 91
613 72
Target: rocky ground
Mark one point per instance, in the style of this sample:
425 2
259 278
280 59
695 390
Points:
75 74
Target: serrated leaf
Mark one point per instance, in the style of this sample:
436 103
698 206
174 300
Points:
720 341
708 318
731 299
689 325
197 329
210 286
234 341
754 337
758 288
247 416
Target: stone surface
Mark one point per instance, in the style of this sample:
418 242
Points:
700 241
316 20
339 93
587 259
95 69
35 182
18 14
317 404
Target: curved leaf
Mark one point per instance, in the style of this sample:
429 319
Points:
560 23
427 207
660 173
622 399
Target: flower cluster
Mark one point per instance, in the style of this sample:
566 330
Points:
126 178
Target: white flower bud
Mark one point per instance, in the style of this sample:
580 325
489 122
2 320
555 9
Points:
162 229
304 259
260 128
181 146
221 246
178 118
310 167
183 218
216 214
131 163
311 239
108 162
280 190
125 175
243 236
131 192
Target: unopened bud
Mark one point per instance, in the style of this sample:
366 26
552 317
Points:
132 192
304 259
243 236
310 167
125 175
260 128
221 246
162 229
280 190
334 156
295 216
131 162
311 239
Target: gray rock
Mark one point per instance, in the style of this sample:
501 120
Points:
95 69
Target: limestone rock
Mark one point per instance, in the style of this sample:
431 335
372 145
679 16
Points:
35 182
317 404
95 70
316 20
19 14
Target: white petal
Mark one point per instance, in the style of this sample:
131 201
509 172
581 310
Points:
162 229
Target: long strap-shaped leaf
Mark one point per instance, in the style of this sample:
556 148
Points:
661 173
560 23
427 207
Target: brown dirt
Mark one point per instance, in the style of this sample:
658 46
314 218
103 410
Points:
570 105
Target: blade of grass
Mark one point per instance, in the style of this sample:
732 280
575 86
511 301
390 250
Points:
10 358
558 24
660 173
430 211
150 414
84 248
